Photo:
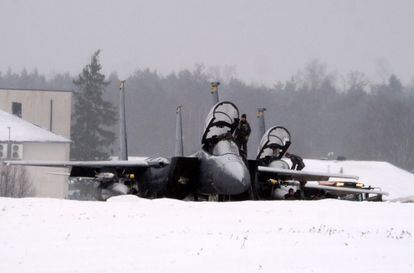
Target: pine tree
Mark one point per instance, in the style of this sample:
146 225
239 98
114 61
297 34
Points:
92 115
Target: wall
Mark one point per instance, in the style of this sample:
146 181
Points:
36 107
46 180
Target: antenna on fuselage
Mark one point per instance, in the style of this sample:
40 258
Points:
122 123
179 146
261 122
214 93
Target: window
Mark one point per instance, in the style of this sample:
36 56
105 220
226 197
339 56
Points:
17 109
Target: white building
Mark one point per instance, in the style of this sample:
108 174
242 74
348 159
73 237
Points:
21 140
49 109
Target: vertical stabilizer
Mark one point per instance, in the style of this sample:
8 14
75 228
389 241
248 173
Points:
214 93
122 123
51 116
261 122
179 146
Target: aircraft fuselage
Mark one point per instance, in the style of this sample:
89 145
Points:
224 172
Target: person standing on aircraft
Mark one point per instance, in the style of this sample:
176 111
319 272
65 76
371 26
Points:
297 161
242 135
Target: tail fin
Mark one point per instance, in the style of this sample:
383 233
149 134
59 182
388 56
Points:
122 123
179 147
214 92
261 122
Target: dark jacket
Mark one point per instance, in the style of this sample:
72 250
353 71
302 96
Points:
297 162
243 132
289 196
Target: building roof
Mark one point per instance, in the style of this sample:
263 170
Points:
24 89
24 131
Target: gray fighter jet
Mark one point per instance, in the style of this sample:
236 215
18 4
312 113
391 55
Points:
215 172
274 177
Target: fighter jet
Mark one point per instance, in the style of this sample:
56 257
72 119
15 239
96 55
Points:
274 177
215 172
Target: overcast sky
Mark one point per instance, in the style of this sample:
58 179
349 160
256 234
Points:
265 40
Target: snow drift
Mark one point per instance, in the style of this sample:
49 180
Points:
397 182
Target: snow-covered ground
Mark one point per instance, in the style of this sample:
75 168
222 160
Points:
397 182
129 234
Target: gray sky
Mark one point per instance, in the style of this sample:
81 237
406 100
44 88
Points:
265 40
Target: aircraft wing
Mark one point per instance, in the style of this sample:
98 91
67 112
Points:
138 162
288 174
345 189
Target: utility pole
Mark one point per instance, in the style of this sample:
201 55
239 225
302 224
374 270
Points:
261 122
214 92
179 146
122 125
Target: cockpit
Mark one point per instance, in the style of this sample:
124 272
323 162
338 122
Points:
274 143
220 123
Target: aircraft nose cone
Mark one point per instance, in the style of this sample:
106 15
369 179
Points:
235 178
240 177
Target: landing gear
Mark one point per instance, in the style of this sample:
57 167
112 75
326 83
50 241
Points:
213 197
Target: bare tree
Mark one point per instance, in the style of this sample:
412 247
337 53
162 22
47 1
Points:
356 81
14 182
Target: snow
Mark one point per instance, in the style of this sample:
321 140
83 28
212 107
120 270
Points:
397 182
129 234
23 131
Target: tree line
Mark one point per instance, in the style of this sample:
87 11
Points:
326 114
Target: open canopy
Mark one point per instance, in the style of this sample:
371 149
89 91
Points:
274 143
221 121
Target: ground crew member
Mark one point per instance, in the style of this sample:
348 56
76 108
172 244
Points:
297 161
290 195
242 135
